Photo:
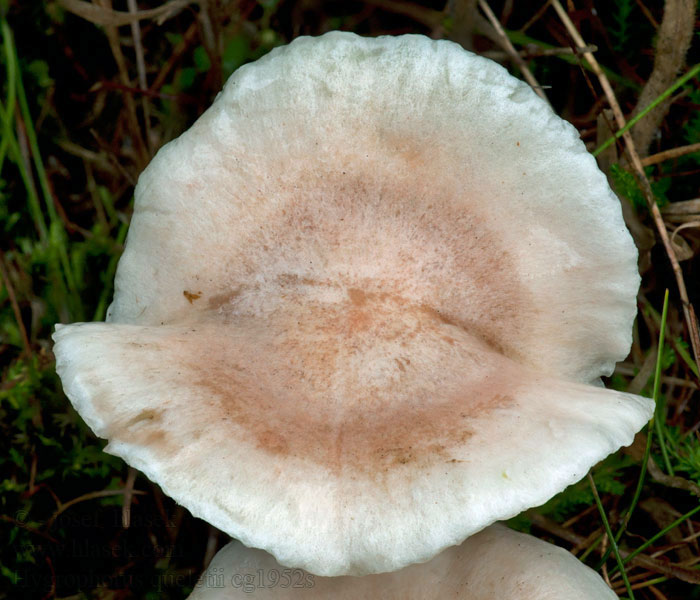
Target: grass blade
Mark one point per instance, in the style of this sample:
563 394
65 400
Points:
658 100
613 543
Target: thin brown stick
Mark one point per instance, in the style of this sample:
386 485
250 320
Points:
579 516
657 593
647 14
175 55
673 481
32 475
664 514
692 537
620 586
420 14
20 523
98 159
536 17
15 306
682 211
655 159
212 542
591 538
688 311
533 50
641 560
210 35
463 14
101 15
112 85
52 590
128 495
512 52
646 371
89 496
141 70
134 127
628 370
672 42
604 548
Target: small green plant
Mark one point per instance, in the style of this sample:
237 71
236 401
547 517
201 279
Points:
620 30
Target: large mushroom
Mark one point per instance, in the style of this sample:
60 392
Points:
362 305
496 563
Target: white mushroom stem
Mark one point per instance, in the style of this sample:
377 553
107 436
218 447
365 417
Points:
495 564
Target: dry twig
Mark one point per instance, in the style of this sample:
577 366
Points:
128 495
673 40
688 310
683 211
141 70
101 15
15 306
420 14
89 496
641 560
669 154
464 17
512 52
134 127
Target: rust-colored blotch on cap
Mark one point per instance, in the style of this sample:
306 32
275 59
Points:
364 384
354 373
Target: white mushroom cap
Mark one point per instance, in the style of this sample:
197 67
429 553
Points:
495 564
357 306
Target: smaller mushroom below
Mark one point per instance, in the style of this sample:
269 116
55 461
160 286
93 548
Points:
495 563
